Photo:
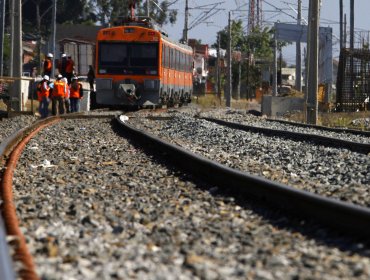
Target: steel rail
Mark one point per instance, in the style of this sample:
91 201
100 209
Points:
10 150
307 137
325 128
342 216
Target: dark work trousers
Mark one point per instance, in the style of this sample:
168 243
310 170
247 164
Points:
58 105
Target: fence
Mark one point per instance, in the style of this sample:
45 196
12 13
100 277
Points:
353 80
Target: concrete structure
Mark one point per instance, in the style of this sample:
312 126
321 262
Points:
275 106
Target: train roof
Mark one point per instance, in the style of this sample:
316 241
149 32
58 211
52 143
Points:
146 22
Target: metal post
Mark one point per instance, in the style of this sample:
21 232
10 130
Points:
280 68
2 24
345 31
341 24
218 68
185 31
11 14
352 24
53 22
313 49
298 69
274 77
18 52
239 80
147 8
229 73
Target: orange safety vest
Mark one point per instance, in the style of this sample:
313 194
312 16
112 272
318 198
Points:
59 89
75 93
45 90
69 66
47 65
42 91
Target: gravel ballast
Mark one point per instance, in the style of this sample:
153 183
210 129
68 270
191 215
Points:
94 206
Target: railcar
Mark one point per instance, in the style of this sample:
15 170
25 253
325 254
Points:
138 65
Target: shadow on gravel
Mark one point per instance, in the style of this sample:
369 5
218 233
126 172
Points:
277 217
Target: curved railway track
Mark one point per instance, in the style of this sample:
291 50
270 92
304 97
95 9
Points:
333 213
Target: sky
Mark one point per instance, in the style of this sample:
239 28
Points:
272 10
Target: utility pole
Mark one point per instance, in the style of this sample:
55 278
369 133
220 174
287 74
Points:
313 50
2 24
239 79
54 31
345 31
218 71
11 14
280 68
352 24
298 69
274 77
147 8
186 27
340 25
18 52
229 73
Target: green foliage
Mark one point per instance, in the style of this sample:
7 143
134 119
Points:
259 42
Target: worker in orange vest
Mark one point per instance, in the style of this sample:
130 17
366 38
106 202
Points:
58 95
70 65
76 94
43 91
48 64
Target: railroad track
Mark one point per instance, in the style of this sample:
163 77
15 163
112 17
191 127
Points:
308 205
309 137
334 213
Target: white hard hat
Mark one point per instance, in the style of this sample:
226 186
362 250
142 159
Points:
46 77
50 55
74 78
64 55
60 76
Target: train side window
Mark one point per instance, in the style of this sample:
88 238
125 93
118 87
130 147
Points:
176 57
167 56
187 63
183 56
181 61
172 59
163 55
178 68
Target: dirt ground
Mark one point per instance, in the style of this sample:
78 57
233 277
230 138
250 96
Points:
357 120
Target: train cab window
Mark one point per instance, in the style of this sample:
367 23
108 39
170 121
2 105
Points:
144 55
111 54
128 58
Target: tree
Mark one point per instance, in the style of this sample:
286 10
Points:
257 49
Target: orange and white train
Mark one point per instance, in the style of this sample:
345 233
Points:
137 65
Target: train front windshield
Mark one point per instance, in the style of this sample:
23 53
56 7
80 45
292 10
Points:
121 58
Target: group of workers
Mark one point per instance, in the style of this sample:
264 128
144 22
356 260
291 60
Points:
65 92
65 66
